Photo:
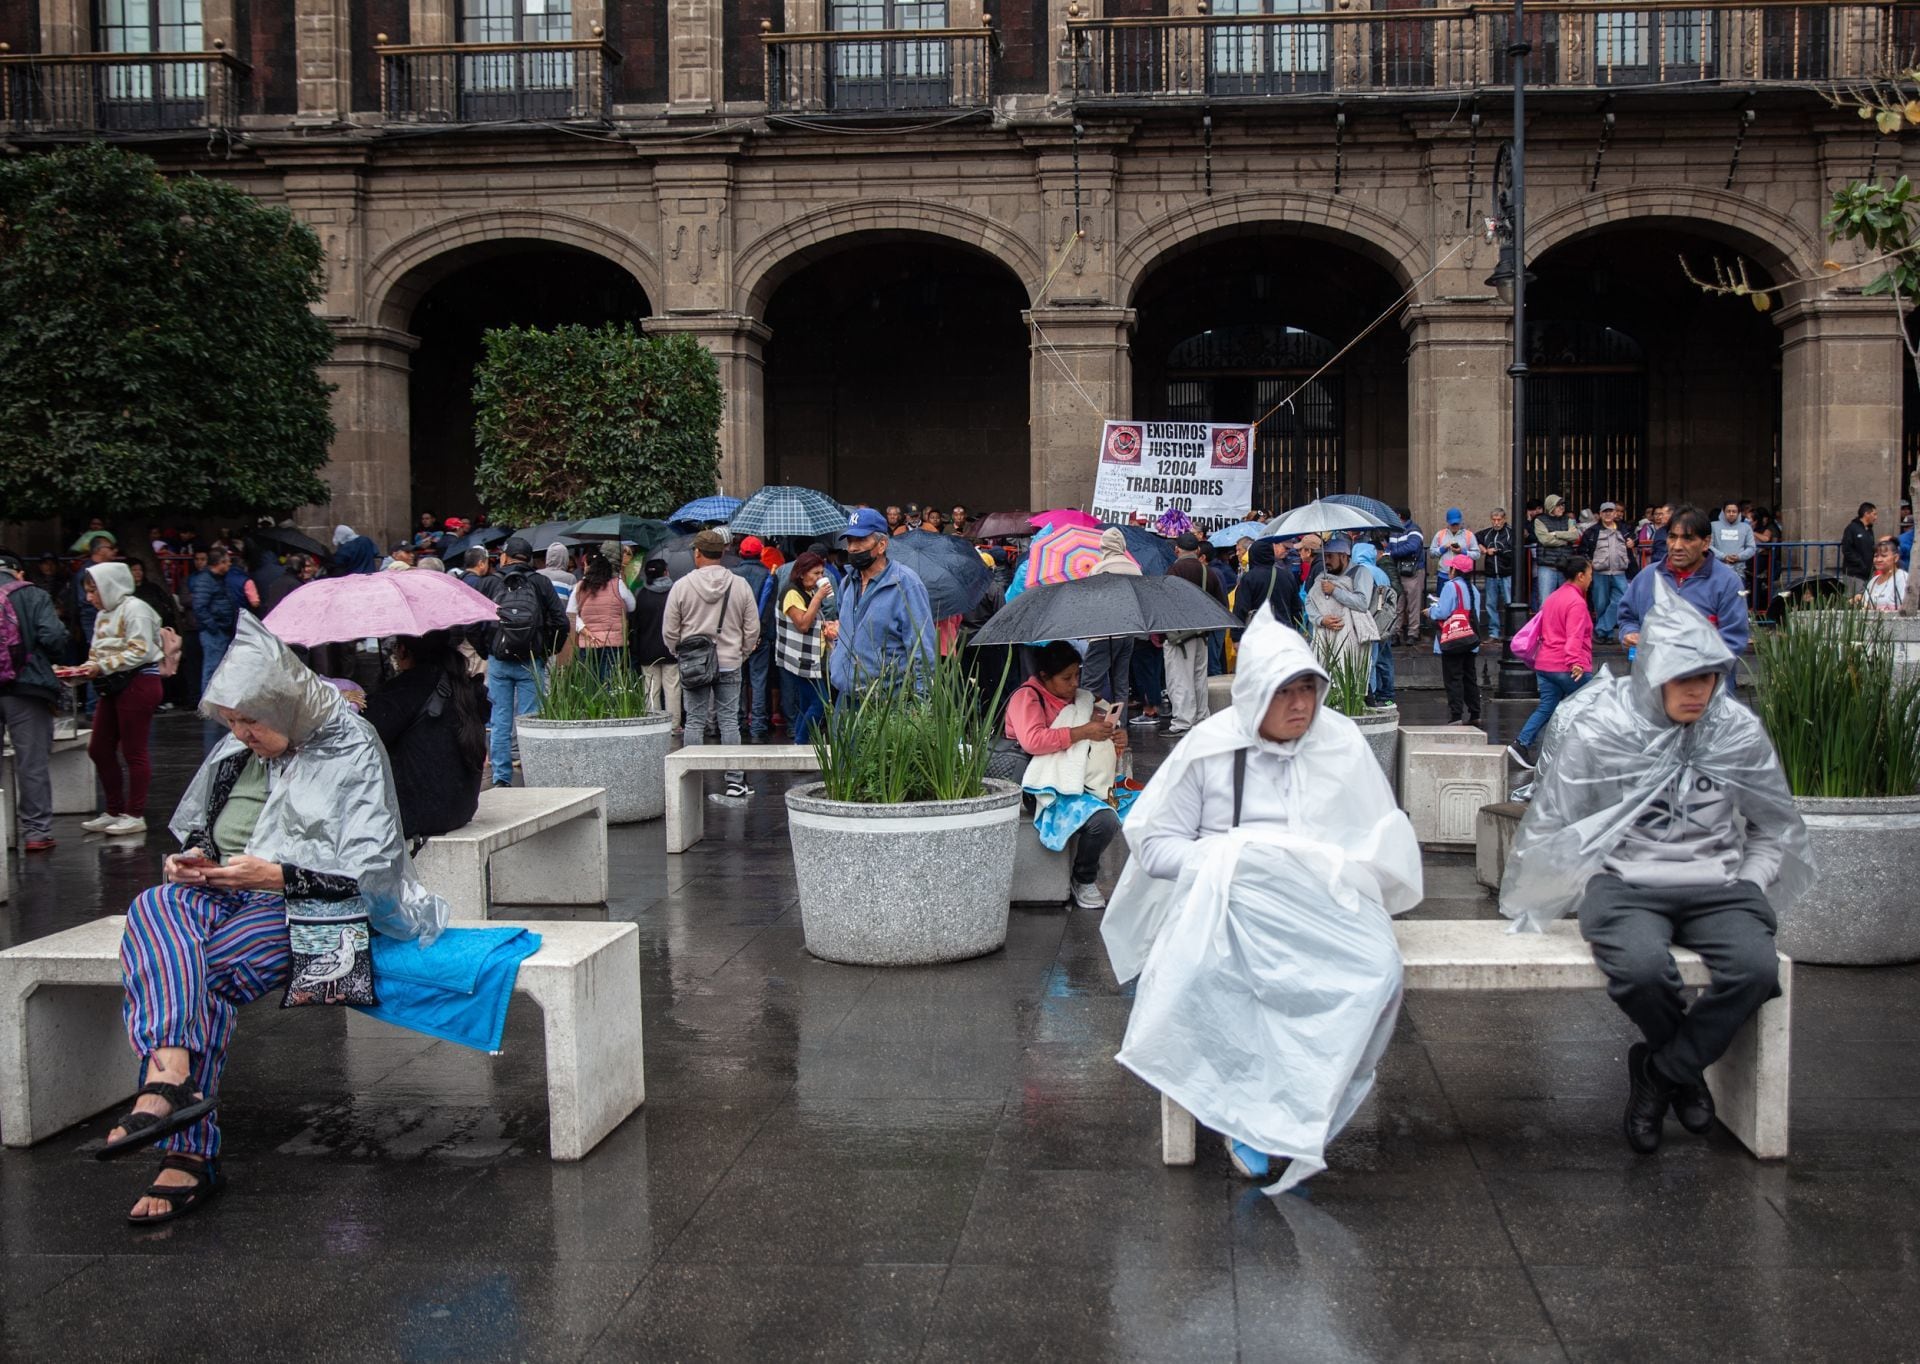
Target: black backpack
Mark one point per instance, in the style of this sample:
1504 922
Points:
517 635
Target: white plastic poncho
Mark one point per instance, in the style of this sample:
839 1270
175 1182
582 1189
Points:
330 801
1269 975
1611 750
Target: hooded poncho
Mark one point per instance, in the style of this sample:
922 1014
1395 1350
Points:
1269 975
330 804
1610 752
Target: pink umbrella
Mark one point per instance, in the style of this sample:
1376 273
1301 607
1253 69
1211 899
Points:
1062 516
1063 554
364 605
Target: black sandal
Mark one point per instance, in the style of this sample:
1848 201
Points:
182 1199
144 1129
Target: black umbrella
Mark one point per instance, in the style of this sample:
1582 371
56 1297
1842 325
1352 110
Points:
287 540
1105 606
539 537
955 575
677 555
484 538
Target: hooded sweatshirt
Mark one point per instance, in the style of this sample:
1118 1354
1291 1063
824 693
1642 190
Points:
712 601
126 633
1267 581
1113 554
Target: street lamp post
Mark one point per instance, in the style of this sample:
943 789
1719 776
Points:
1511 277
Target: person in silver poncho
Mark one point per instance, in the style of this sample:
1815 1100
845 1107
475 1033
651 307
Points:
292 818
1661 816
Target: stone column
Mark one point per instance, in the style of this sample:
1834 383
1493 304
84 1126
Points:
1459 409
739 346
431 22
1840 412
323 48
371 468
64 26
696 42
1082 376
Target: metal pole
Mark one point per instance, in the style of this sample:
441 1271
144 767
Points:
1516 679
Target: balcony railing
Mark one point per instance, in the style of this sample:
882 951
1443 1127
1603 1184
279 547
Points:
1464 47
879 71
563 82
110 93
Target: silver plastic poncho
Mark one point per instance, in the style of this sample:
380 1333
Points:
1611 750
330 801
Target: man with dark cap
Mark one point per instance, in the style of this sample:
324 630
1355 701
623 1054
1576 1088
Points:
531 626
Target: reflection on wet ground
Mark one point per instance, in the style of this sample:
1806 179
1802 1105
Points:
846 1163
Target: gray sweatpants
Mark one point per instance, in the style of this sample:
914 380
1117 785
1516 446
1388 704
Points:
27 722
1632 928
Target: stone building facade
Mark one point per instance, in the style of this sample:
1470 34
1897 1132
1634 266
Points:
932 258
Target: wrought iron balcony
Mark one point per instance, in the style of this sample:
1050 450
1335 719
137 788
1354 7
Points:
106 94
561 82
1464 47
879 70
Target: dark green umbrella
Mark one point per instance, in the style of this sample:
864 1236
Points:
642 532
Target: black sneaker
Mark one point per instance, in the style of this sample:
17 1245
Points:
1648 1096
1522 754
1693 1105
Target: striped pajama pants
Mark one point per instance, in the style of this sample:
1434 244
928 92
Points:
190 958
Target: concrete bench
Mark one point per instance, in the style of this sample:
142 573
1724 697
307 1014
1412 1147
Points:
76 786
1494 831
64 1055
1446 774
1040 875
687 769
1749 1083
526 845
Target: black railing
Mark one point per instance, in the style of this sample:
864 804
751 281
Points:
879 71
111 93
562 82
1464 47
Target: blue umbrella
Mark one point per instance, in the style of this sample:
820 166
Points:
799 512
955 575
702 510
1229 536
1154 553
1387 513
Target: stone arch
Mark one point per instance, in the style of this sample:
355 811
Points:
772 257
1334 218
1776 242
407 269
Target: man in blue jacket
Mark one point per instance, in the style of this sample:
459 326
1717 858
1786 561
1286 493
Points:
1718 591
214 610
886 624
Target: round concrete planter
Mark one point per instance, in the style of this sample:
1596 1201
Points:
1861 911
862 903
1380 727
627 757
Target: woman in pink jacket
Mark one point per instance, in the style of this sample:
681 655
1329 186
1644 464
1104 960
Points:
1565 659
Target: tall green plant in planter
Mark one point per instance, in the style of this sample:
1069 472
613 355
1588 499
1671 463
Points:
1847 728
904 786
593 728
1350 674
582 421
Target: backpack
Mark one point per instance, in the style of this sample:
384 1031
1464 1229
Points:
13 639
1458 635
169 651
1386 606
517 635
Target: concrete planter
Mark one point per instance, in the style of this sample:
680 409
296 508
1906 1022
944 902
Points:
1861 912
860 904
1380 727
1904 631
627 757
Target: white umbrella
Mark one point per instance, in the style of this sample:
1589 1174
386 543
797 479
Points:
1323 518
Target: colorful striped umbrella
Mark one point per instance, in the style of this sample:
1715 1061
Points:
1063 554
1062 516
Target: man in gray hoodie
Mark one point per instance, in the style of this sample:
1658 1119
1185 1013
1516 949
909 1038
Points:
714 605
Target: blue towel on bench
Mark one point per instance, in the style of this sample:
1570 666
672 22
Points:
456 990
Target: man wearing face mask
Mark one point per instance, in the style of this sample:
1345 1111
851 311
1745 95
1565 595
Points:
1661 817
886 629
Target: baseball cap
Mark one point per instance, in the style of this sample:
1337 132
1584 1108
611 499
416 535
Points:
1453 516
1188 541
865 521
1554 502
1461 563
710 544
516 548
1609 506
750 547
1339 544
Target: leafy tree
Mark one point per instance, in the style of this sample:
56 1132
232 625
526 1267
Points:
580 421
158 350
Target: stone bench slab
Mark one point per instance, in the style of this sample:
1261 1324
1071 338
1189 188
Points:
1494 831
1749 1083
686 772
76 786
525 845
64 1055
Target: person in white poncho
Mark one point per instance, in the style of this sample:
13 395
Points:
1268 857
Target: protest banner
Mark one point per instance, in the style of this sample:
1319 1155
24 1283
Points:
1203 469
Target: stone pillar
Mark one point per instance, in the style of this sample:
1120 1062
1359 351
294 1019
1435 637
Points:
64 26
1840 412
696 42
1082 377
371 467
739 346
1459 409
323 48
431 22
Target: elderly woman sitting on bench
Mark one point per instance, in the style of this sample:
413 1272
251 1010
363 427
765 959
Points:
292 859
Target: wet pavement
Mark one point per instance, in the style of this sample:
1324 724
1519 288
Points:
946 1163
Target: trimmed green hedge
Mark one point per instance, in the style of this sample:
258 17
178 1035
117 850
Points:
579 421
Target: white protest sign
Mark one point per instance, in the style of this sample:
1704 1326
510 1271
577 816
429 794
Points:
1204 470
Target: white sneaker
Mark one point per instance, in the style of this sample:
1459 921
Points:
126 826
1178 727
98 824
1087 896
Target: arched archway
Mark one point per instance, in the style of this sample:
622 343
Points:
456 298
1245 323
1642 388
897 372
